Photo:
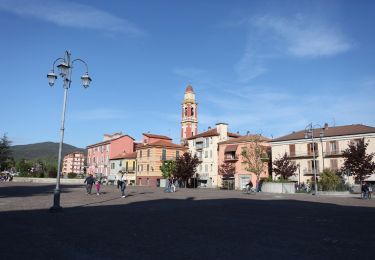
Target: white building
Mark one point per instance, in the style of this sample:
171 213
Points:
329 143
205 146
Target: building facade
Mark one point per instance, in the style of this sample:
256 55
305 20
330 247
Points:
151 153
125 163
73 162
99 154
205 146
230 154
327 148
189 113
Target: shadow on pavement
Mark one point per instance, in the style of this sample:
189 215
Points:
191 229
27 191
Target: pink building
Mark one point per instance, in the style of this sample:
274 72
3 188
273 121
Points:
73 162
98 154
230 154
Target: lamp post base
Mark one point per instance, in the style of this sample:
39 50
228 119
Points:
56 202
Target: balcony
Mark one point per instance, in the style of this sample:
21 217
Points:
333 153
230 158
168 158
199 146
302 154
307 172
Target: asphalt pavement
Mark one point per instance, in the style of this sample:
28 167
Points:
188 224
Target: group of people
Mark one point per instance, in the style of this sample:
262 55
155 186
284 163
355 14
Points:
6 177
171 185
249 186
90 181
366 190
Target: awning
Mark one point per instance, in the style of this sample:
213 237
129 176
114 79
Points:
231 148
371 178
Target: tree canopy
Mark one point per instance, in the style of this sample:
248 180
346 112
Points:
227 169
284 168
6 159
255 156
168 168
186 166
357 161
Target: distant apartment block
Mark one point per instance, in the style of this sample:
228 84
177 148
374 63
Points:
74 162
99 154
328 148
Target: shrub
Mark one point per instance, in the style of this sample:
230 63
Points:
52 173
330 181
72 175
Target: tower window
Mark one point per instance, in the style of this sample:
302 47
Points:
192 111
185 111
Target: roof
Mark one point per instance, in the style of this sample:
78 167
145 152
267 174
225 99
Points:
108 141
157 136
189 88
246 138
330 132
162 143
212 132
125 156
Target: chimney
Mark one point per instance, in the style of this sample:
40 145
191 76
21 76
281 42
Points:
325 126
238 132
222 129
248 133
209 127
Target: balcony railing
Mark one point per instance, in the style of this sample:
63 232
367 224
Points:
302 154
333 153
168 158
230 158
199 146
310 172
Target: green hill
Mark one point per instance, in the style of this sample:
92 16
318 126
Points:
42 151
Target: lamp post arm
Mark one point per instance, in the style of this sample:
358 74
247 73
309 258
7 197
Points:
87 68
54 63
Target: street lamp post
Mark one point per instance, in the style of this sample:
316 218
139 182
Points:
309 133
65 67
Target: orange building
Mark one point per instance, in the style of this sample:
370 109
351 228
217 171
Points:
151 153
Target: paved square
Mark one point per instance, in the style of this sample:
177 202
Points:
188 224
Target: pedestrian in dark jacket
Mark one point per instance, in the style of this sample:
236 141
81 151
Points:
89 182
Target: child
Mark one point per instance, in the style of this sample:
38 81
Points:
97 184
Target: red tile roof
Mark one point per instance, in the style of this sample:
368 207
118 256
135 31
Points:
162 143
107 141
329 132
246 138
157 136
212 132
125 156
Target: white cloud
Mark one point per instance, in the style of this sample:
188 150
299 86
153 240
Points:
305 37
70 14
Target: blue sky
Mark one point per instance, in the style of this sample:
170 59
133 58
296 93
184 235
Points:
270 67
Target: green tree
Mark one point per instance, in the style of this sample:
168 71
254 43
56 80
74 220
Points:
329 180
255 156
168 169
357 161
284 168
6 159
24 167
186 166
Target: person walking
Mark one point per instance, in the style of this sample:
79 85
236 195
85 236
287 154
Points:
97 185
121 183
89 182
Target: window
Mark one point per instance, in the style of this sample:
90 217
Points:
141 167
211 167
107 147
311 148
310 166
148 167
112 166
292 149
185 111
210 153
138 168
334 164
140 153
148 152
120 163
133 165
207 142
126 166
164 154
205 154
192 111
206 168
177 154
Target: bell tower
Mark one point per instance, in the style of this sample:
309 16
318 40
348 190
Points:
189 122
